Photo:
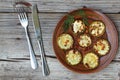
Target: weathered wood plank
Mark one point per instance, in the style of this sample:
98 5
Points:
106 6
22 71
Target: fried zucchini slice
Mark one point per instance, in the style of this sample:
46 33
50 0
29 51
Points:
97 28
102 47
84 40
73 57
91 60
78 26
65 41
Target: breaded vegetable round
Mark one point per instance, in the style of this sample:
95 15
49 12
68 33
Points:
91 60
97 28
65 41
78 26
84 40
102 47
73 57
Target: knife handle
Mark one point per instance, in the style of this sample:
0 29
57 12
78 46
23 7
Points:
45 67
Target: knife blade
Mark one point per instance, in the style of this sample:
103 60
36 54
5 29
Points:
38 32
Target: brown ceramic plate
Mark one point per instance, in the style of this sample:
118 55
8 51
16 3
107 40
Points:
110 34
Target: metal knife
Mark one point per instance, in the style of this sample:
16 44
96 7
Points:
38 32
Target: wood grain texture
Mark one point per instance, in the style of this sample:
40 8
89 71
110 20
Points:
23 71
14 53
106 6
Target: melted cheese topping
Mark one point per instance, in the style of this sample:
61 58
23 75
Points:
90 60
73 57
97 28
102 47
65 41
78 26
84 40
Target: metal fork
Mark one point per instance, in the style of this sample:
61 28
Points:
24 22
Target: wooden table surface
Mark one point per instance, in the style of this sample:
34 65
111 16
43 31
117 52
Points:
14 53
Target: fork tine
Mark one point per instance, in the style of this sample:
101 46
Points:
25 16
21 13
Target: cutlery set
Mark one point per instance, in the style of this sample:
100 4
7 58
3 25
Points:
22 15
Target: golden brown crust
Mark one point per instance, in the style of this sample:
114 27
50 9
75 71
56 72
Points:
97 28
73 57
91 60
78 26
65 41
101 47
84 40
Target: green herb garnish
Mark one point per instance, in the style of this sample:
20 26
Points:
84 17
70 19
68 22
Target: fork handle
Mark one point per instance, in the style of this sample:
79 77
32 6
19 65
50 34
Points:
33 60
45 67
